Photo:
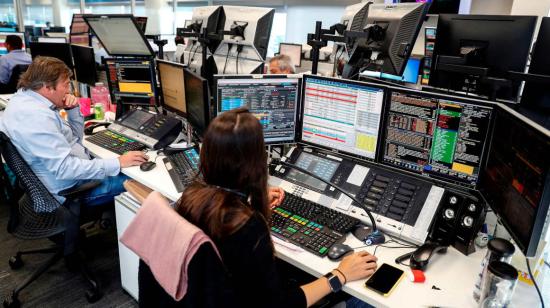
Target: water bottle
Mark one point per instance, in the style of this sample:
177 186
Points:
100 96
498 249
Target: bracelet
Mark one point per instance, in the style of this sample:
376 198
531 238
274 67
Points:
345 280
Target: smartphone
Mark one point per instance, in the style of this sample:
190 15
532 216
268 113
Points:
384 279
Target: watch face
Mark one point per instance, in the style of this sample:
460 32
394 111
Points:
334 282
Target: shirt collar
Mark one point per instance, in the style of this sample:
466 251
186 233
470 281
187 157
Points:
17 50
40 98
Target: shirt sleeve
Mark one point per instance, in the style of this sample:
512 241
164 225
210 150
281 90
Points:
76 122
4 71
250 258
45 144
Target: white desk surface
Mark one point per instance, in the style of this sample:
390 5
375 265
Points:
453 273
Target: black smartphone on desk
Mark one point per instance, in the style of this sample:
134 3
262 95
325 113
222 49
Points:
385 279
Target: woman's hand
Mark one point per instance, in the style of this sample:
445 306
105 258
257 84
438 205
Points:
275 196
357 266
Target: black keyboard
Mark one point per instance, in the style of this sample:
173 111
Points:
322 215
115 142
182 167
303 232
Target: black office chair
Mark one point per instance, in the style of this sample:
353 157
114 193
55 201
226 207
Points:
11 86
39 215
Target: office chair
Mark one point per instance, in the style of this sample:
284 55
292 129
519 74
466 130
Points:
39 215
11 86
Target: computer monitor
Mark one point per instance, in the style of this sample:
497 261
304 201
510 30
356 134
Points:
119 35
3 35
354 16
392 31
410 75
210 17
44 39
272 99
78 25
197 97
294 51
84 64
250 26
8 29
436 136
536 95
172 87
341 115
55 30
61 51
516 181
141 22
493 43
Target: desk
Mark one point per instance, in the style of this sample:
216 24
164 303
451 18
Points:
453 273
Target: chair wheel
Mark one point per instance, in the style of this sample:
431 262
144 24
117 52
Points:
12 302
93 295
15 262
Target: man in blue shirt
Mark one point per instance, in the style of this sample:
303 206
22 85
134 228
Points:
16 55
52 146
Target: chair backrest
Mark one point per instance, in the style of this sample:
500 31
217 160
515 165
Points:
16 73
41 199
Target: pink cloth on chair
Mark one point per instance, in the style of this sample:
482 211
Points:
166 242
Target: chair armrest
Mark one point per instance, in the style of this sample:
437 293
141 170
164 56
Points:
75 191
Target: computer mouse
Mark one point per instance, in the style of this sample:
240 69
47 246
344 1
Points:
338 251
361 232
422 255
147 166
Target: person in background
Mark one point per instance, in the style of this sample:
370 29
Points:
53 147
281 64
232 205
16 55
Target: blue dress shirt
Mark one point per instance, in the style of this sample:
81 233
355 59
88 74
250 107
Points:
8 61
51 146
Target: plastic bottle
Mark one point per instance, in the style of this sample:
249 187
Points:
100 95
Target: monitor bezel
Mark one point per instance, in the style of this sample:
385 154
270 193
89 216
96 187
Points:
25 45
441 180
66 45
530 249
264 76
94 72
131 17
152 67
300 111
292 44
161 93
206 98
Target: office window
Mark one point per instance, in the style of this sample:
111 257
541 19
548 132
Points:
278 33
8 18
37 13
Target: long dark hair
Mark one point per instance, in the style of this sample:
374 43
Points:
233 164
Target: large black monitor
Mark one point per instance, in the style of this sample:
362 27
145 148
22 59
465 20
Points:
84 64
61 51
272 99
489 45
392 30
120 35
536 95
441 137
516 181
341 115
172 87
197 98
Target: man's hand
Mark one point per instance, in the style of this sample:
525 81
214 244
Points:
70 101
275 196
132 158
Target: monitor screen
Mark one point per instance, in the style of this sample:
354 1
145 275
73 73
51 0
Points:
272 100
516 180
198 101
172 87
119 34
322 167
439 137
84 64
134 76
341 115
3 35
410 75
61 51
294 51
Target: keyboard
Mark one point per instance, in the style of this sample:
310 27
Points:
310 225
115 142
182 167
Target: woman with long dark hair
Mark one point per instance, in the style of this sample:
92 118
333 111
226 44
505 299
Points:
232 206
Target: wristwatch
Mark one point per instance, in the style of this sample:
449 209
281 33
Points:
333 282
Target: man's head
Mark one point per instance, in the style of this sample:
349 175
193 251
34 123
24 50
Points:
13 42
281 64
49 77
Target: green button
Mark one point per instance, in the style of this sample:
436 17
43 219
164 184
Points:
322 250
